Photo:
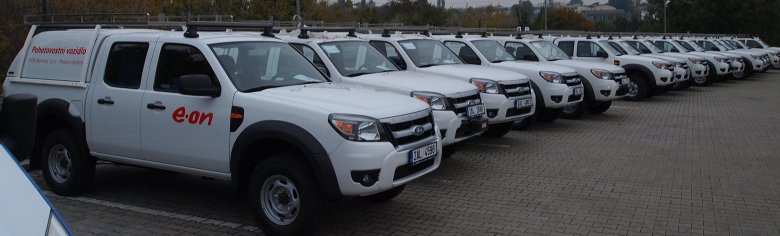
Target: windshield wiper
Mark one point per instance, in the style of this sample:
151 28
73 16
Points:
427 65
359 74
261 88
497 61
553 59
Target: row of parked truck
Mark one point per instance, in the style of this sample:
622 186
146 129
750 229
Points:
298 117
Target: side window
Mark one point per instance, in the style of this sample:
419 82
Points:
464 52
710 46
753 44
312 56
521 51
567 47
588 49
390 52
640 46
179 59
660 45
125 65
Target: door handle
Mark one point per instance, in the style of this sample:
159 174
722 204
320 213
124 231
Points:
155 106
105 101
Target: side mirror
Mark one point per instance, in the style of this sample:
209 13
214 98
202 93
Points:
399 62
530 57
198 85
645 50
602 54
675 50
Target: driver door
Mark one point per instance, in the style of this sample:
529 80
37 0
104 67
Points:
182 130
590 51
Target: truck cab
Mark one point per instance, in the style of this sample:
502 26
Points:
603 82
226 105
507 95
646 75
555 87
457 106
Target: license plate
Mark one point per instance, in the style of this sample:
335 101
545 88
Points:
578 91
625 81
477 110
422 154
523 103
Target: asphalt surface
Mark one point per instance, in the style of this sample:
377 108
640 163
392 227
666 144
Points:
698 162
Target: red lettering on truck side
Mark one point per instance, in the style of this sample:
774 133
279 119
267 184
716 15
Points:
196 118
178 115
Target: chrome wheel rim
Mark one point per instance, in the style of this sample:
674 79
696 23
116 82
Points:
59 163
633 89
280 200
700 80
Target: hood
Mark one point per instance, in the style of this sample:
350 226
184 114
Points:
338 98
680 55
417 81
467 71
590 65
664 57
638 58
535 67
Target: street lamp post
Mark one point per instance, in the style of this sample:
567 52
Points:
545 15
665 2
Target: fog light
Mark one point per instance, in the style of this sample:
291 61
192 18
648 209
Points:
365 177
492 112
556 99
664 79
606 93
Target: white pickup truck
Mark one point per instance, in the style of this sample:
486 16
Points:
226 105
757 43
698 65
507 95
645 74
555 86
682 70
770 54
603 82
458 110
753 61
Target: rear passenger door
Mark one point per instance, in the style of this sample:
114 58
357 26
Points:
183 130
115 100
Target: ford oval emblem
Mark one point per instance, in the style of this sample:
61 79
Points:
418 130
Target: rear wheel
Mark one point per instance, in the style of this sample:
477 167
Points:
67 168
600 107
574 111
283 196
637 87
498 130
548 115
387 195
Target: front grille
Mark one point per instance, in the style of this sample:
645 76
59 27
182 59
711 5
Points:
408 169
574 97
461 104
516 112
684 65
466 128
516 90
402 133
572 80
619 78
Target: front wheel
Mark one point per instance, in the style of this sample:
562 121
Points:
637 87
574 111
498 130
386 195
600 107
283 196
67 168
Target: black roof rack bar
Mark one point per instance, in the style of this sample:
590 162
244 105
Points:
194 26
305 31
425 31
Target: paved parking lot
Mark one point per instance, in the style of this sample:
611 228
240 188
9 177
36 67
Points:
698 162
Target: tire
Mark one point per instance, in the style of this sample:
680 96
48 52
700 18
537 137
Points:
287 176
498 130
525 123
600 107
548 115
574 111
638 88
387 195
67 168
449 150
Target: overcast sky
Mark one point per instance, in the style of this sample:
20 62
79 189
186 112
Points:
476 3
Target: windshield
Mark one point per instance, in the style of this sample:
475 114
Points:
549 51
719 45
738 44
652 46
678 46
258 65
695 46
614 49
628 48
427 52
355 58
493 51
762 42
685 45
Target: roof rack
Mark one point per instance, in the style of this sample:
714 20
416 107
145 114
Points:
305 31
424 31
194 26
460 32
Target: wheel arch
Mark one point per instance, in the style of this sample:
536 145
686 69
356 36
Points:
53 114
634 68
273 137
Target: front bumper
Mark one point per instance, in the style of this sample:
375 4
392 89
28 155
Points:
607 90
722 68
391 162
664 77
681 75
560 95
454 129
501 109
699 70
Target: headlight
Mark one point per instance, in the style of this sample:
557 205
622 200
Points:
661 65
601 74
56 227
754 56
357 127
719 59
694 60
552 77
437 101
486 86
